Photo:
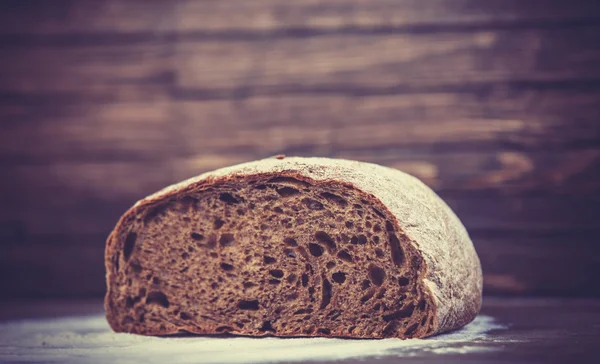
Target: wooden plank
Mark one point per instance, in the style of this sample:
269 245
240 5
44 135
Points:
311 125
390 63
45 270
513 264
266 15
138 72
521 263
487 190
352 64
82 131
86 16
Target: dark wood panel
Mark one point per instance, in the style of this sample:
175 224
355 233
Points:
544 263
391 63
311 124
85 16
539 192
353 64
136 72
517 264
46 270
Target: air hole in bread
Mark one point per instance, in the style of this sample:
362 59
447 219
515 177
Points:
338 277
345 256
303 311
277 273
226 267
287 191
324 238
154 212
291 278
228 198
338 200
370 293
157 297
326 293
266 326
129 245
403 281
135 267
411 329
402 313
396 250
315 249
304 280
269 260
303 252
312 204
376 274
248 305
390 329
290 181
212 241
290 242
226 239
218 224
389 227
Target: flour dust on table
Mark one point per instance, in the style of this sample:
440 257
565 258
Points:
89 339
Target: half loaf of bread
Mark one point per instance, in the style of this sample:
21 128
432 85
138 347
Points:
293 247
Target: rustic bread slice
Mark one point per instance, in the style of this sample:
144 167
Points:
293 247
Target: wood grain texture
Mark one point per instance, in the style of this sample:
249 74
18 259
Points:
347 64
319 124
87 16
492 103
527 191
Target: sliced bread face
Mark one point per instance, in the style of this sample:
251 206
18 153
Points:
291 247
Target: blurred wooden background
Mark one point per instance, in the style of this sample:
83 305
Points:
493 103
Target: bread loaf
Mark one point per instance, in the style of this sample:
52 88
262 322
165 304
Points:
293 247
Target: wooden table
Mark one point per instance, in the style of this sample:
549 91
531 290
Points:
535 330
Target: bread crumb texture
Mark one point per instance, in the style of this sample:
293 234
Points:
293 247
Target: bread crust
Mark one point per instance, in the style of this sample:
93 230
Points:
453 276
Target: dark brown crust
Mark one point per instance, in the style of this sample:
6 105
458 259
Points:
441 324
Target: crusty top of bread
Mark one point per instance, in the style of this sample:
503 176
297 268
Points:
453 276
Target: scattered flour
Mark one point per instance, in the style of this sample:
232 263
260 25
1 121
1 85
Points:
89 339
